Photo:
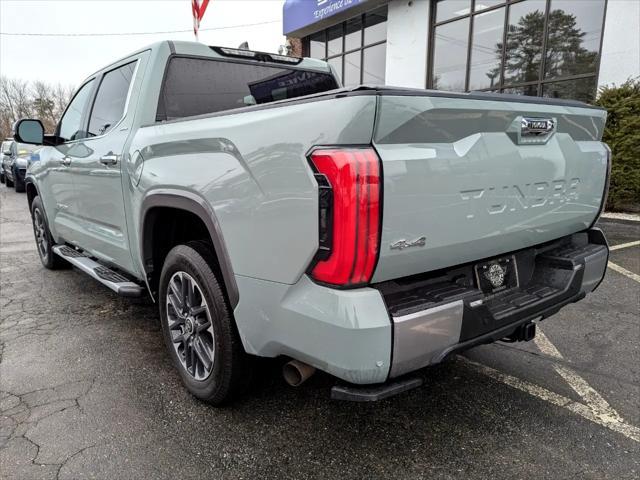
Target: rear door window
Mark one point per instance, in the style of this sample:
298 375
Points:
196 86
111 99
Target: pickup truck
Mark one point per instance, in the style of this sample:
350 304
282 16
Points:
366 232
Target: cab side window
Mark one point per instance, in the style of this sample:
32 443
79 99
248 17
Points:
111 98
70 127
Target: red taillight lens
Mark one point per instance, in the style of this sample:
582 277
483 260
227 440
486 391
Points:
349 217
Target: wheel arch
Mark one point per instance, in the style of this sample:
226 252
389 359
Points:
192 204
31 189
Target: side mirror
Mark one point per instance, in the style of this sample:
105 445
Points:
29 131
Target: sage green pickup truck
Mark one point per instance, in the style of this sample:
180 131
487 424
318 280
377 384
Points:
366 232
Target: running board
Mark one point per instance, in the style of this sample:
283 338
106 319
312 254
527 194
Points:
115 281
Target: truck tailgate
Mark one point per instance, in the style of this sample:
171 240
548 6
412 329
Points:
468 178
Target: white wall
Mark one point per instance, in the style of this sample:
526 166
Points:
621 42
407 43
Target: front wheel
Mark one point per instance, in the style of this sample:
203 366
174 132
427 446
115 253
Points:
8 182
198 328
2 177
44 240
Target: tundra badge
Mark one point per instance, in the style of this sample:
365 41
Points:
536 126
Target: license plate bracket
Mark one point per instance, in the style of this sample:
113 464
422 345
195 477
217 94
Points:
497 274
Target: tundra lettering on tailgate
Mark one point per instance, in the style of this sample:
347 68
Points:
510 198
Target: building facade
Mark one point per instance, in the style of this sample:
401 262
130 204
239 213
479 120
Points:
552 48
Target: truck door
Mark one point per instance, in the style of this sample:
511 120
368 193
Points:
56 186
97 173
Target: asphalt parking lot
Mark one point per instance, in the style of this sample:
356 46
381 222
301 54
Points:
87 391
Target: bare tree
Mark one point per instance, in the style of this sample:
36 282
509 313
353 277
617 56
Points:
38 99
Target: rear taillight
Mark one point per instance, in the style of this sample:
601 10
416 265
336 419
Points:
349 216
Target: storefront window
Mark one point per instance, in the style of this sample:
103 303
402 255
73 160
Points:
573 42
525 36
486 53
355 48
450 56
471 50
449 9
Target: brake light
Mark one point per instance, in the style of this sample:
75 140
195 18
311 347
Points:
349 185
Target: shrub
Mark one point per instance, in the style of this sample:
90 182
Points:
622 134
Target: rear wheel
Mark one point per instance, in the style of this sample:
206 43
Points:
198 327
44 241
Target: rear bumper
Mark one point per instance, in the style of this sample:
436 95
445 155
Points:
370 335
459 316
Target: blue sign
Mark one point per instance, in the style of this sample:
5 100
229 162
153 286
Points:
300 13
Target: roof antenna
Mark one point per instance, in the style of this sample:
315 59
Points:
244 46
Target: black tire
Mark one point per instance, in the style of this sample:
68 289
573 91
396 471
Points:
19 185
230 372
44 241
8 182
1 177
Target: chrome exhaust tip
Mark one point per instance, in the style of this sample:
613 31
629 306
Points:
295 373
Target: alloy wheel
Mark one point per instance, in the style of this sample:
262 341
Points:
39 229
190 326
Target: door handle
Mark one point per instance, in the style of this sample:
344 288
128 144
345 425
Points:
66 161
109 159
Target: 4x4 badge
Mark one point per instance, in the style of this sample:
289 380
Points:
402 244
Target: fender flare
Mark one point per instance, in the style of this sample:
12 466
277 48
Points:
28 180
193 203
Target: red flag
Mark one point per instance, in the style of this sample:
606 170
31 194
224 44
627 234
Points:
197 10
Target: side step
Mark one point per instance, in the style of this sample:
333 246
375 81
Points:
116 282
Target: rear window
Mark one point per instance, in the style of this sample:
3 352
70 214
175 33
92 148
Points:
195 86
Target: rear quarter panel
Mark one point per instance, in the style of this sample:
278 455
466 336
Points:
251 169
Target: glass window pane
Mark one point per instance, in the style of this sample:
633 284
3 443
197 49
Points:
486 49
446 9
574 37
484 4
108 106
530 90
353 35
524 41
583 89
334 40
450 56
337 64
352 69
70 127
196 86
373 71
317 46
375 26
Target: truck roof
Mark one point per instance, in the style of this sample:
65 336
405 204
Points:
181 47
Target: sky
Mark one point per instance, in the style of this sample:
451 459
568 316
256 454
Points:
69 59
